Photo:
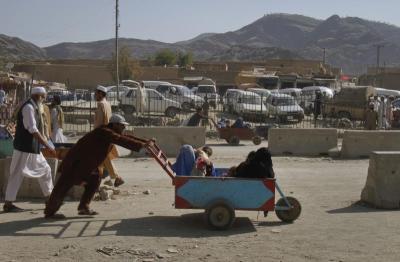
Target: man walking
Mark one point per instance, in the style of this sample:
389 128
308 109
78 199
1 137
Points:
27 160
102 117
80 166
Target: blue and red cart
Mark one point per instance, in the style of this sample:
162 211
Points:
221 196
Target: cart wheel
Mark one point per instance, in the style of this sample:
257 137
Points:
220 216
257 140
234 140
291 214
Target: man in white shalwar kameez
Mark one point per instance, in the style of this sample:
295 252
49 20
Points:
141 99
27 160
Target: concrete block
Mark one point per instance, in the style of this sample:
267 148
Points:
299 141
383 182
170 139
360 143
30 187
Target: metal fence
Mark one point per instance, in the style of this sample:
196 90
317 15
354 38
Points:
256 110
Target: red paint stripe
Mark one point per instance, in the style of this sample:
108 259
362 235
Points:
181 203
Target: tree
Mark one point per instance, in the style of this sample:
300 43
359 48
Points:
165 57
185 59
128 68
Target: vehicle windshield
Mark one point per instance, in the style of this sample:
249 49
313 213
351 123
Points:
206 89
286 101
254 100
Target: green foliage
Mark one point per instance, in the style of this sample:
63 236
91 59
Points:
165 57
185 59
129 68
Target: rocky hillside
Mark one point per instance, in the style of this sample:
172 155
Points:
350 43
14 49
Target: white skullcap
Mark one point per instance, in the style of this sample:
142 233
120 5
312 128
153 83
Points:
38 90
118 119
102 89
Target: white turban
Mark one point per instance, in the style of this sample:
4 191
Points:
38 90
102 89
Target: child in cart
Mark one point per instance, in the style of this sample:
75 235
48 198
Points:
194 162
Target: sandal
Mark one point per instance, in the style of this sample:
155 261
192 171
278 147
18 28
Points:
87 212
118 181
10 208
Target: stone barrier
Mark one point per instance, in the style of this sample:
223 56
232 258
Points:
383 182
170 139
360 143
299 141
30 187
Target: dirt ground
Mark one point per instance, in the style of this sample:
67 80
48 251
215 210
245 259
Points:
141 227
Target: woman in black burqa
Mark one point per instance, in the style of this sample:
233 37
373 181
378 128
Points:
257 165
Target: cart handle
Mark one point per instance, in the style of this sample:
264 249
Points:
161 159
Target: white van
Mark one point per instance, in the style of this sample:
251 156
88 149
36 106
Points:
182 95
284 108
209 91
308 96
264 93
154 84
245 103
156 103
387 92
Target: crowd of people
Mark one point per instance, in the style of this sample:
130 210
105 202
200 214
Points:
379 114
90 159
38 126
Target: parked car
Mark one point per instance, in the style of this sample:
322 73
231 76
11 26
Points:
245 103
65 95
112 91
284 107
130 83
396 104
209 91
264 93
156 103
154 84
229 99
294 92
83 94
182 95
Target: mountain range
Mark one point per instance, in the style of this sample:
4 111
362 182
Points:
350 43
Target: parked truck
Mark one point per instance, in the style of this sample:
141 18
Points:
349 102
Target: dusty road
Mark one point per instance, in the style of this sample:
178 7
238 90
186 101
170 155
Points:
139 227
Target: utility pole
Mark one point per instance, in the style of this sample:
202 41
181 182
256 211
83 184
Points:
324 57
116 46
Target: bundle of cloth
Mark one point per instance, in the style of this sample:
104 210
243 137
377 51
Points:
258 164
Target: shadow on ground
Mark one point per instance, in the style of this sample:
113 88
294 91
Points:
358 207
187 226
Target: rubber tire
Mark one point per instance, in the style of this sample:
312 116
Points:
171 112
128 110
220 216
234 141
288 215
257 140
186 106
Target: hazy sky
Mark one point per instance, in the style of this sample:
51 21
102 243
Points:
47 22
